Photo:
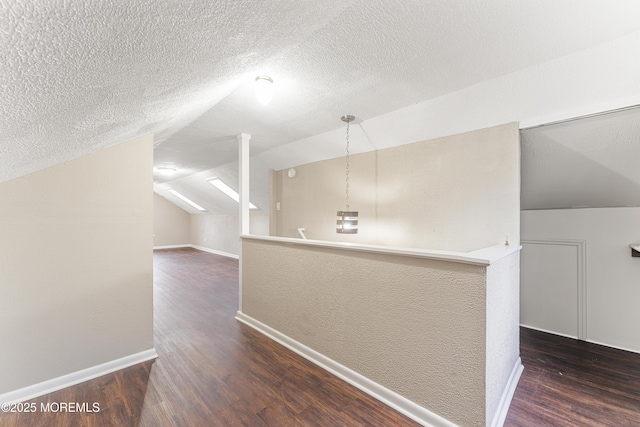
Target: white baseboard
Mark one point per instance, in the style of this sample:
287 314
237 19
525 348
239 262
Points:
381 393
507 394
573 337
171 247
200 248
587 340
55 384
213 251
617 347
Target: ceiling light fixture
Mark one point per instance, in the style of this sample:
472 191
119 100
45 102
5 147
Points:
216 182
264 89
186 200
165 171
347 222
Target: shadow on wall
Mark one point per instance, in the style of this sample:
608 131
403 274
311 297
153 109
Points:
458 193
591 162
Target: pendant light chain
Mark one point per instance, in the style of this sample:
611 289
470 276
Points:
347 169
347 220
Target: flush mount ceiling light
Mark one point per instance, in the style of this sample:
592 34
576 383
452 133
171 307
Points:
165 171
264 89
347 222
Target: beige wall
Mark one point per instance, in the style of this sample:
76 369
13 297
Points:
457 193
222 232
76 265
413 325
171 225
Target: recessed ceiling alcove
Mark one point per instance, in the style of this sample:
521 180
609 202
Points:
591 162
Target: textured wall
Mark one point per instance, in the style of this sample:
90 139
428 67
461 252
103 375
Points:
457 193
76 265
222 232
503 331
611 273
171 225
413 325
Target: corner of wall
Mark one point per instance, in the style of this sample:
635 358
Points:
503 366
78 238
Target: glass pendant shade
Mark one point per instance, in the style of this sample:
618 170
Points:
264 89
347 222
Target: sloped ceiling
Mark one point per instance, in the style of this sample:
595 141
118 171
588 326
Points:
587 163
79 76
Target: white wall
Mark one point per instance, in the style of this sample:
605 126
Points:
553 286
611 274
222 232
171 225
602 154
76 265
502 334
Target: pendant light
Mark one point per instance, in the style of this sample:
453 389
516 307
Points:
347 220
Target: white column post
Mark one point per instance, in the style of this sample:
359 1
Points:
243 160
243 190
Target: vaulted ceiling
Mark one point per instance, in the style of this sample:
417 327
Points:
587 163
79 76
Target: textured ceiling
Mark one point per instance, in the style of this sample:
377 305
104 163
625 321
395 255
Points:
79 76
591 162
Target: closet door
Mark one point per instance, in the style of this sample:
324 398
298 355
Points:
551 286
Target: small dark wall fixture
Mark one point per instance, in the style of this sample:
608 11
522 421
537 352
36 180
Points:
635 250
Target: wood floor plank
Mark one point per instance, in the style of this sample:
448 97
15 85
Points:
567 382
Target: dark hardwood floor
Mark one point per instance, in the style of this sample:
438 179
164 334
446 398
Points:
574 383
215 371
212 370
